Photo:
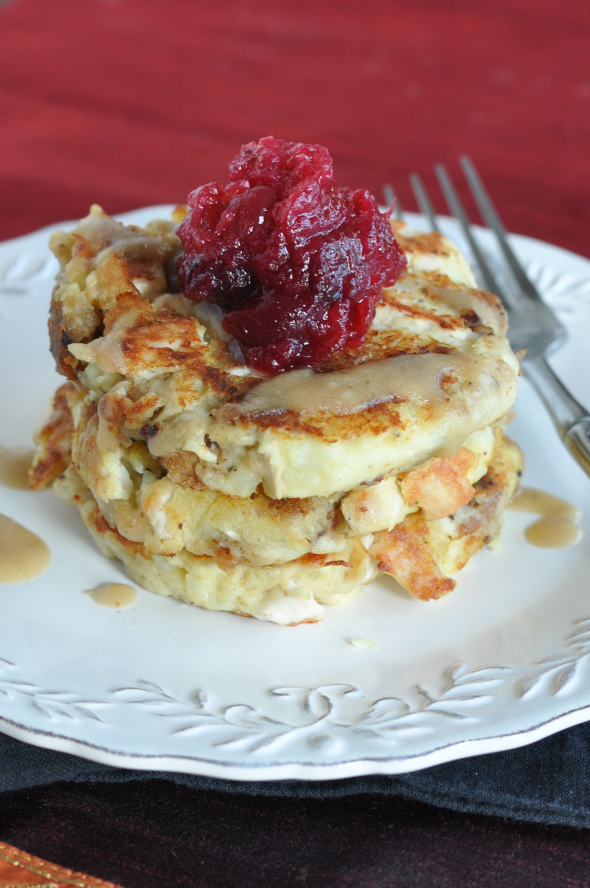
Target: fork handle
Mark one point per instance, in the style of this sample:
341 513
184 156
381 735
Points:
577 441
570 418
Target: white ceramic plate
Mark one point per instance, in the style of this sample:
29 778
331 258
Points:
502 661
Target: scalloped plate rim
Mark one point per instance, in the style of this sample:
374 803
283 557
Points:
392 764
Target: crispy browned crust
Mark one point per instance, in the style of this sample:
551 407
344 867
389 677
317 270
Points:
446 321
137 258
180 467
445 283
479 518
59 339
381 344
101 526
404 554
222 556
285 508
54 445
441 482
408 552
373 420
426 242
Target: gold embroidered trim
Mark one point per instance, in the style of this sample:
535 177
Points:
57 876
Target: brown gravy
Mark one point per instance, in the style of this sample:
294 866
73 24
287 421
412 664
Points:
23 555
113 595
341 392
558 525
14 466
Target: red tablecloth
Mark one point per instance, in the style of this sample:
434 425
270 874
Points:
135 102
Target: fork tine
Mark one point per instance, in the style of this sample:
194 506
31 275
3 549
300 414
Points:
492 219
458 210
391 198
423 200
534 328
481 197
388 194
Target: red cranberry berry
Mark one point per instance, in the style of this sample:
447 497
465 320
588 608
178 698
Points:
297 262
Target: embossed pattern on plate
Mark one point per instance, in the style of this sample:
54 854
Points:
502 661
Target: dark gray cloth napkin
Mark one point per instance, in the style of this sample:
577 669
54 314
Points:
547 782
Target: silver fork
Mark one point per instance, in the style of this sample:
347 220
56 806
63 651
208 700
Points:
533 326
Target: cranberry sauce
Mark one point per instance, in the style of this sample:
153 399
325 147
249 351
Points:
297 262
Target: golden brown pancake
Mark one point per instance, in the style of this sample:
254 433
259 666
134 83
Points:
271 496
